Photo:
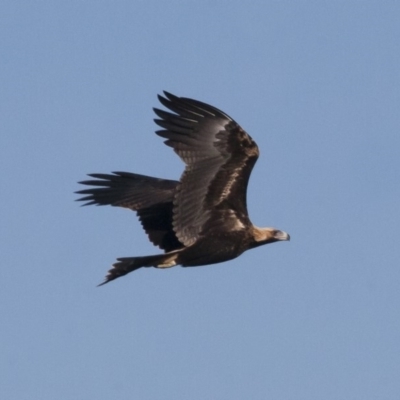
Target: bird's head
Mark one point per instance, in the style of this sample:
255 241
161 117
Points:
269 235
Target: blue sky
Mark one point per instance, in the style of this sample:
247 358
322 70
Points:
316 84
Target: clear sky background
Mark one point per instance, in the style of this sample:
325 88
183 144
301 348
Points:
316 84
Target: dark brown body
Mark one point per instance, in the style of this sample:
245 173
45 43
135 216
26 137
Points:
201 219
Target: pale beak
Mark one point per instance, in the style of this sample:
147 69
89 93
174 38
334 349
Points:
280 235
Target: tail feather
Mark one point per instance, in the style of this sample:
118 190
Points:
125 265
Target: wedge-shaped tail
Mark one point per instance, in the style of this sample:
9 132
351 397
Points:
129 264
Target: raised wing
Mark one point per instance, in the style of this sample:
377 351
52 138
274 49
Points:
219 156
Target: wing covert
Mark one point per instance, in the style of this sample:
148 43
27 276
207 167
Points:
219 156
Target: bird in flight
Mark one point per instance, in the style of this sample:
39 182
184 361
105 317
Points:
202 218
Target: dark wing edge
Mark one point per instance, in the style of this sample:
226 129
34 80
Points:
150 197
128 190
219 157
157 222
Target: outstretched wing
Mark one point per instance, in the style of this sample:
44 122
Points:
124 189
219 156
150 197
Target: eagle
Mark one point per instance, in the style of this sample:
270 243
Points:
202 218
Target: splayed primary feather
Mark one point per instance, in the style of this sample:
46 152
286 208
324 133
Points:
202 218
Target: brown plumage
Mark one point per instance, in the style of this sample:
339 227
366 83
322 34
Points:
201 219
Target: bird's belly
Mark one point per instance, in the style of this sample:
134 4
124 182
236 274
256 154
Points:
210 251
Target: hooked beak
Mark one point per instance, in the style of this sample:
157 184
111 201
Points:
281 235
